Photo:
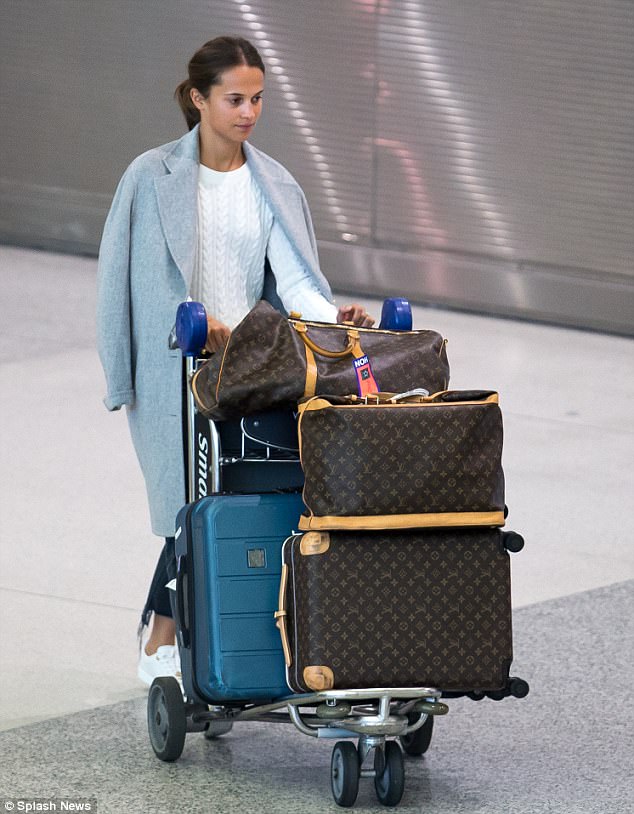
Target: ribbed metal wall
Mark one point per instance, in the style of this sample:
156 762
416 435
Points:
478 154
518 118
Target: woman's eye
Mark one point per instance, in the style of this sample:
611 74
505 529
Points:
256 100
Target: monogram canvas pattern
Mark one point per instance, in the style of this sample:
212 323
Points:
264 364
260 369
414 459
390 609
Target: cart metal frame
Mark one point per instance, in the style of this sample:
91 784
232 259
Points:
370 716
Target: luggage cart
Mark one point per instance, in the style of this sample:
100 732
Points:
252 451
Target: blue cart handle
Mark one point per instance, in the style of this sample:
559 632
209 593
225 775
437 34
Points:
396 315
191 327
191 323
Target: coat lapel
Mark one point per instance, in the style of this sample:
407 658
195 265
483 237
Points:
176 195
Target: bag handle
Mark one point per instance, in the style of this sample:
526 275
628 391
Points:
280 616
352 348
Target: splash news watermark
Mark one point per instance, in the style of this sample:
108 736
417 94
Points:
33 804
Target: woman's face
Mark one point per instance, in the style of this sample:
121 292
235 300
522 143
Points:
232 107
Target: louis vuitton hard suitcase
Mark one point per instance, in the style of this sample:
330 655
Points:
402 461
397 609
228 572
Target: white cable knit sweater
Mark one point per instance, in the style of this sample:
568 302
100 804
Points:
236 231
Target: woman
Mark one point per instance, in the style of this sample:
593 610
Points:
211 217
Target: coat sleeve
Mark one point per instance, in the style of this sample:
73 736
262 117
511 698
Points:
114 326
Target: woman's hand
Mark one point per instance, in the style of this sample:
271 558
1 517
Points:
356 314
217 335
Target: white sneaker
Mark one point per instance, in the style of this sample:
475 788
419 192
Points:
165 662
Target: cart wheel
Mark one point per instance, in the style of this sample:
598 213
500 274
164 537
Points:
344 773
389 784
417 743
215 729
166 718
518 687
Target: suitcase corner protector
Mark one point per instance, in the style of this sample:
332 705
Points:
314 542
319 678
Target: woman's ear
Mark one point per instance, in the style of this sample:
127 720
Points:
197 98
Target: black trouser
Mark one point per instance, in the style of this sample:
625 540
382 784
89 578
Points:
158 599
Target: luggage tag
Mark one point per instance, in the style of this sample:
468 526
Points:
362 367
365 378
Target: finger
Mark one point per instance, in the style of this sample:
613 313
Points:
359 315
351 314
215 342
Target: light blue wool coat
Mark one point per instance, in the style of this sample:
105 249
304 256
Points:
146 262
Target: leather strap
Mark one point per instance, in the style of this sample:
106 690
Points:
353 348
310 388
381 522
280 616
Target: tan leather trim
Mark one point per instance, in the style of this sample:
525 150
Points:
315 542
280 616
311 373
194 390
494 398
319 403
222 365
344 326
357 350
400 521
319 678
352 346
315 403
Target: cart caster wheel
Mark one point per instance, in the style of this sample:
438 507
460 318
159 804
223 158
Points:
389 784
519 688
166 718
215 729
513 541
417 743
344 773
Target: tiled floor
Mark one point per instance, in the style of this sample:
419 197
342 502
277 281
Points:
565 749
76 557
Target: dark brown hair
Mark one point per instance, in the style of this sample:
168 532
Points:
206 67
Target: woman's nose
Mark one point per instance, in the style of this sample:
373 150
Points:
248 110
